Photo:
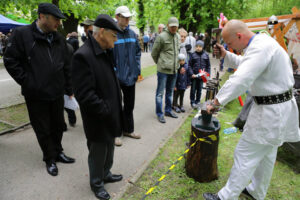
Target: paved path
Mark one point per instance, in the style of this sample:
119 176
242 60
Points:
23 175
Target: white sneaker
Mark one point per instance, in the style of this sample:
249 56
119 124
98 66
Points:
118 141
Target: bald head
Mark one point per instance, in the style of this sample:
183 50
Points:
235 26
236 34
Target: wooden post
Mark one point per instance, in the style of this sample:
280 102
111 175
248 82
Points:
201 161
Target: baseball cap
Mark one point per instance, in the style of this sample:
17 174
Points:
87 22
105 21
49 8
173 21
123 10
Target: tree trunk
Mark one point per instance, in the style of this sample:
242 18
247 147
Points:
70 24
201 160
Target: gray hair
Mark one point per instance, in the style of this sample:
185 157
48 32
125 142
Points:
96 29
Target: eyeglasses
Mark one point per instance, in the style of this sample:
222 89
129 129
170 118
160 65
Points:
112 33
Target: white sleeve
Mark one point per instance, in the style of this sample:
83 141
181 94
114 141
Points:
250 67
232 60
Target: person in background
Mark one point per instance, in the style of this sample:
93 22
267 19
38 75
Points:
199 61
127 58
44 75
146 40
160 28
165 55
183 35
88 27
73 40
182 83
98 93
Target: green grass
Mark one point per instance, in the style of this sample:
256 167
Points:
285 182
4 127
16 115
148 71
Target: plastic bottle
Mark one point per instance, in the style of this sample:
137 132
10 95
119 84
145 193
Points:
230 130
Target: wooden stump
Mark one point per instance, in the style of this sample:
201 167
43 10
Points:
201 161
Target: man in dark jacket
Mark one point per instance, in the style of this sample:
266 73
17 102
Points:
127 57
36 59
98 93
199 61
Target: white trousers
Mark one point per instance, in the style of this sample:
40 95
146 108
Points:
252 162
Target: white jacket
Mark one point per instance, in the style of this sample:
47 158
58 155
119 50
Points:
264 69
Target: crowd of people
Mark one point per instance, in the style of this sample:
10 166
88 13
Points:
102 75
3 42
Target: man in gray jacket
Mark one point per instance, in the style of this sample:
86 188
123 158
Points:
165 55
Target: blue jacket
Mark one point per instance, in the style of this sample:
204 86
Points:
199 61
127 57
183 80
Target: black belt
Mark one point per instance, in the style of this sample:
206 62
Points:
274 99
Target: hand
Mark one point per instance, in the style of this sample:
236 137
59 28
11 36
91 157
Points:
213 107
182 70
175 89
219 50
194 76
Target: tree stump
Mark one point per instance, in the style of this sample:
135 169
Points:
201 161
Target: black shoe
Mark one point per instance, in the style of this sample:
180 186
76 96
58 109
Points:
210 196
182 109
171 114
102 194
247 194
61 157
161 119
51 168
177 110
113 178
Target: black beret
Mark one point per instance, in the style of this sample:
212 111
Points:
105 21
49 8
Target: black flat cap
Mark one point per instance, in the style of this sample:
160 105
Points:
105 21
49 8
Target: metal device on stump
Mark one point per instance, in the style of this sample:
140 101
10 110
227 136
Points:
201 160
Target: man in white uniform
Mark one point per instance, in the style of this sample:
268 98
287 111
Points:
265 70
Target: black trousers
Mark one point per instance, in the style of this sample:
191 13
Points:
71 116
128 100
145 47
47 120
100 161
180 94
196 90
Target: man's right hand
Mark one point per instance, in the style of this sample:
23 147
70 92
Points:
219 50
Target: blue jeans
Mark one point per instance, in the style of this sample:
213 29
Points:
196 89
164 81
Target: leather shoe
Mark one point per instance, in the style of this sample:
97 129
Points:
161 119
61 157
51 168
132 135
113 178
210 196
247 194
102 194
171 114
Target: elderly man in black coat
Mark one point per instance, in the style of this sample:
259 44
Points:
98 93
